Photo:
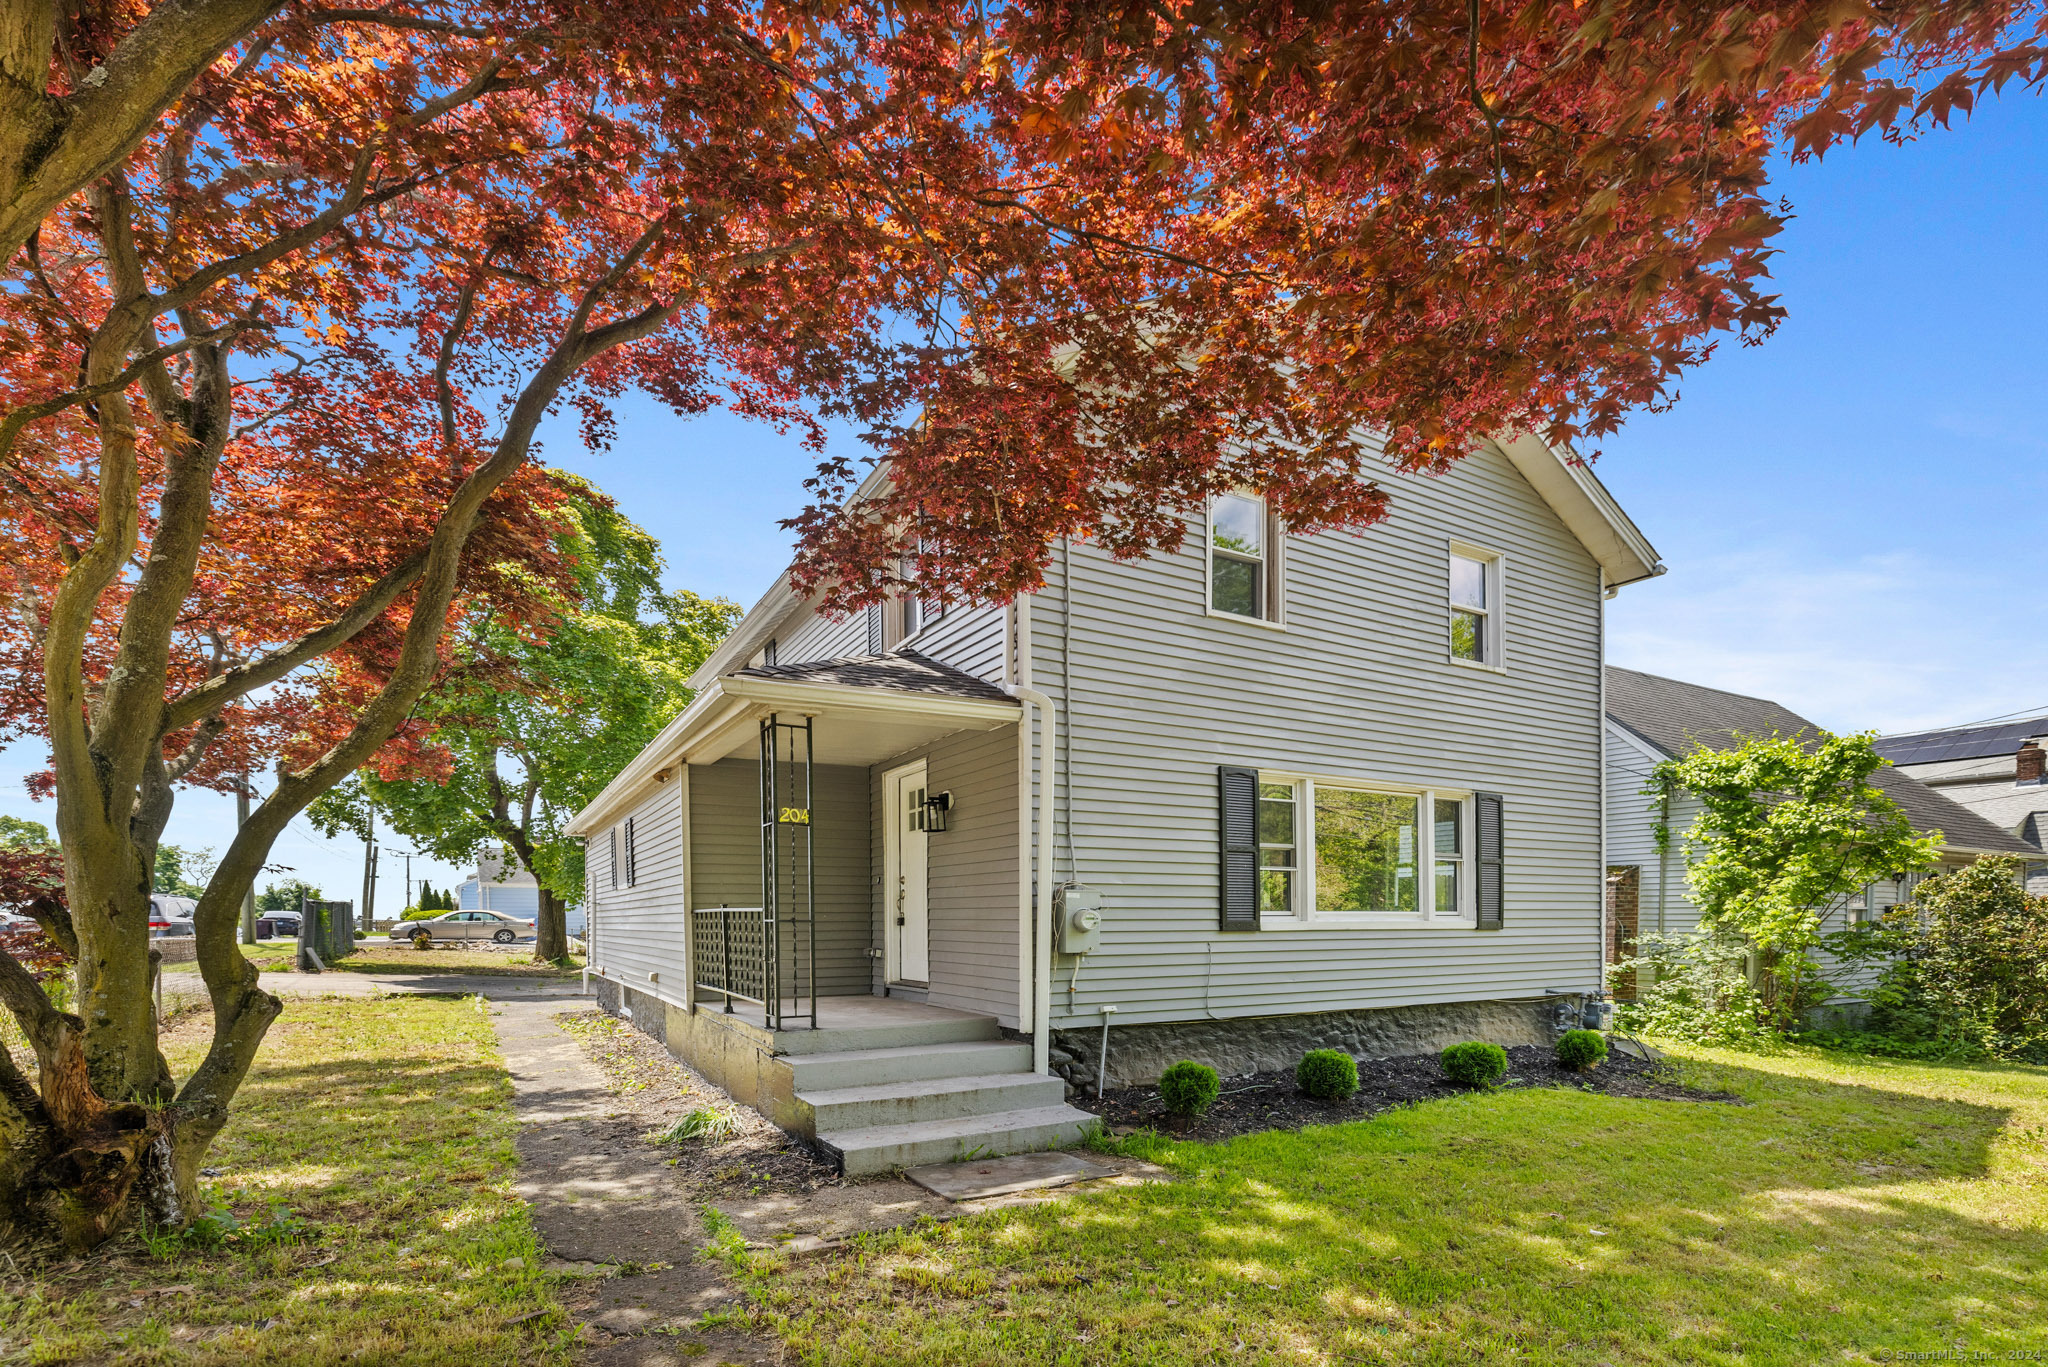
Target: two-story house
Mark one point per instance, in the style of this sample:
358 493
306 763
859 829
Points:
894 876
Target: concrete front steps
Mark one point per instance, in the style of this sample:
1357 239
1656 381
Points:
928 1092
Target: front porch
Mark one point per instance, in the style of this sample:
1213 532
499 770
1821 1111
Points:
854 868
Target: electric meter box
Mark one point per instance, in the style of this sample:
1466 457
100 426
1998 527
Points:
1077 919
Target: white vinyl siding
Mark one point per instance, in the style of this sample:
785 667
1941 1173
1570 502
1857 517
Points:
1365 689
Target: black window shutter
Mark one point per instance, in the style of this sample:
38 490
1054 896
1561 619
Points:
874 629
1488 807
611 858
1239 791
631 861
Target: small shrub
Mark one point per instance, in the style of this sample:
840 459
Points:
1189 1088
1579 1050
417 914
1475 1063
1327 1074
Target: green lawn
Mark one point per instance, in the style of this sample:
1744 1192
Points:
376 954
386 1127
1853 1208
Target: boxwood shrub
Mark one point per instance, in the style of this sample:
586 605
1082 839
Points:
1189 1088
1579 1050
1475 1063
1327 1074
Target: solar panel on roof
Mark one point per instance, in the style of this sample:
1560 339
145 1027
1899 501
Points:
1969 742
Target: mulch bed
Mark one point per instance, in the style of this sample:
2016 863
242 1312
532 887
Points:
1269 1101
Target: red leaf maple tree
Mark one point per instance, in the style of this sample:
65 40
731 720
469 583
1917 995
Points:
291 289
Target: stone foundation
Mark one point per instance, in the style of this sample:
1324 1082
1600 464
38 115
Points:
649 1015
1138 1054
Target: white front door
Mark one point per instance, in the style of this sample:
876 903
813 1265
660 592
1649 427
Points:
906 925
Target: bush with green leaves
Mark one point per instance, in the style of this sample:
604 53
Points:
1327 1074
1966 968
1697 987
1579 1050
1189 1088
1475 1063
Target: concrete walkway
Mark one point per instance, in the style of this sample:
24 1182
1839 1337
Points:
607 1207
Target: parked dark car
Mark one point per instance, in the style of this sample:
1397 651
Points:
277 925
458 926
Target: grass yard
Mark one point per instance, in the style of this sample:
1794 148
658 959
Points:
1853 1209
377 955
384 1128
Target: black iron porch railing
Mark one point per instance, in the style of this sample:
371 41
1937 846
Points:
729 953
769 954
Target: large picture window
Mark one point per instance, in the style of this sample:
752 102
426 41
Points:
1366 856
1335 852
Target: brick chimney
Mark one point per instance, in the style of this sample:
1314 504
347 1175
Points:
2030 763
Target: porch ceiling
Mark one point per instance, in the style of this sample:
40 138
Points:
850 725
859 719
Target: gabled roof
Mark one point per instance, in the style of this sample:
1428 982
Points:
1676 718
905 672
1960 742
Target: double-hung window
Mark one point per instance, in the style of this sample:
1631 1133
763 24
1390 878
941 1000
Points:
1343 853
1243 556
1475 607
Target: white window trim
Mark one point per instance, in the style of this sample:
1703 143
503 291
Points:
1272 563
1306 917
1496 661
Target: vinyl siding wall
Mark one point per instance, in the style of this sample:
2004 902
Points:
815 636
971 871
1358 686
639 930
725 851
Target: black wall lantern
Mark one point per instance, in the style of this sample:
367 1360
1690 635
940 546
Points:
937 806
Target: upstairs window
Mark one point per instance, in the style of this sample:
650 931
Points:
1242 578
1475 607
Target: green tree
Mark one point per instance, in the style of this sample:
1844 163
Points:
181 872
19 834
285 896
1789 828
530 726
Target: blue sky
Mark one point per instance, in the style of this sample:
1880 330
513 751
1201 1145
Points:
1852 513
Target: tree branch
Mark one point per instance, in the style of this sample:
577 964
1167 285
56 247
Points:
52 147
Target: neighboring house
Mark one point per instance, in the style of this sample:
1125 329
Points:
1995 771
1262 794
500 884
1651 719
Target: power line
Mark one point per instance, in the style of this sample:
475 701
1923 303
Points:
2025 713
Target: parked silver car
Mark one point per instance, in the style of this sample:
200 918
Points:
465 925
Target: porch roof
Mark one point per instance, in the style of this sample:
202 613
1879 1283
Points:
865 709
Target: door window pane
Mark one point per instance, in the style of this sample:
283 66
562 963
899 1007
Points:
1365 851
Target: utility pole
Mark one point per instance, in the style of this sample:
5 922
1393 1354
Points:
369 869
407 856
248 893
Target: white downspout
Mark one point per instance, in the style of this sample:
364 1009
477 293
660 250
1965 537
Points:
1034 977
1600 952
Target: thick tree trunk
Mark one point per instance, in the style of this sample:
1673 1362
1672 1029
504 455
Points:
551 930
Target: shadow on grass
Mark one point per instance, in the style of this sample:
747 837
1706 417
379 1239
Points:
1828 1220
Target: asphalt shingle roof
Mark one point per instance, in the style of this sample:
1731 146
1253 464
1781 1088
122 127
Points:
1676 718
904 672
